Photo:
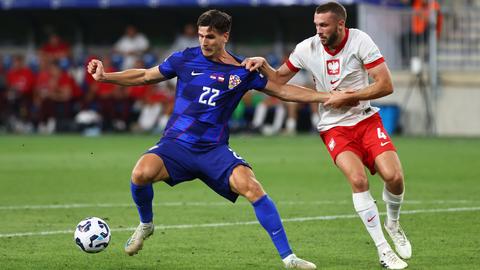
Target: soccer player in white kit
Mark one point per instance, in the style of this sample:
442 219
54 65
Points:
340 60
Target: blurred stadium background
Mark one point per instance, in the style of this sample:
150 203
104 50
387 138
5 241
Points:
434 55
49 183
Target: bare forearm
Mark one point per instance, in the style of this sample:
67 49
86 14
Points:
273 74
296 93
127 77
373 91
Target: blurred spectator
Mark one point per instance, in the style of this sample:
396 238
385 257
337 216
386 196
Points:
3 98
20 81
278 111
153 104
111 101
131 46
243 115
302 78
276 107
414 42
55 48
157 106
187 39
42 86
58 107
421 10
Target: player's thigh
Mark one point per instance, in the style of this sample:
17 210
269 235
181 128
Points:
243 181
352 167
149 168
389 167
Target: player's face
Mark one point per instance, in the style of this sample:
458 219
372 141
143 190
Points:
329 28
212 42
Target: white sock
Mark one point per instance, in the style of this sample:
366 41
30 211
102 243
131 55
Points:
393 203
278 118
162 122
259 115
149 224
291 125
368 212
314 119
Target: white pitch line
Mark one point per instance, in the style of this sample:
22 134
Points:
203 204
241 223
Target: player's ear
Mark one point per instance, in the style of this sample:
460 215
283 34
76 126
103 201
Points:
341 24
226 36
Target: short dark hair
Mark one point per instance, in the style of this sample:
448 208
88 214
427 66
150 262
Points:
215 19
335 8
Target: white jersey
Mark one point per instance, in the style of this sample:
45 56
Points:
346 67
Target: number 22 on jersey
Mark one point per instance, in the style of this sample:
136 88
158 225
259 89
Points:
208 96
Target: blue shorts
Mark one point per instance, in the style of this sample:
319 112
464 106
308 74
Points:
212 165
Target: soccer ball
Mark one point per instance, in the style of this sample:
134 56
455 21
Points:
92 235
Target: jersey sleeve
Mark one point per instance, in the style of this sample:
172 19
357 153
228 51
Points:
295 61
170 66
369 52
257 81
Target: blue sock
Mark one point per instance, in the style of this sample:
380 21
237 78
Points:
143 197
268 216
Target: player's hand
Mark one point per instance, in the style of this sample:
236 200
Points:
95 68
340 99
253 63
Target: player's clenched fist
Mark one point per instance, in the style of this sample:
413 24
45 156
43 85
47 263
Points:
95 68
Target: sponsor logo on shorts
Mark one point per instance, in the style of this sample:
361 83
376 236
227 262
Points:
331 144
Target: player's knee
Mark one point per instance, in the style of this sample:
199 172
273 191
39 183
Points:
255 190
395 177
359 182
244 183
141 176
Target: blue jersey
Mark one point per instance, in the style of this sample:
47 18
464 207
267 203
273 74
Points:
207 93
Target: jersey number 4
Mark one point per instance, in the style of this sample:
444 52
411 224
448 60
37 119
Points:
380 134
208 95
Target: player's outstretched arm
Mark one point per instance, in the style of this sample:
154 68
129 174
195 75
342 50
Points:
381 87
295 93
127 77
280 76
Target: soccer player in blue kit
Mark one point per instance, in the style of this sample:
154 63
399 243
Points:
211 82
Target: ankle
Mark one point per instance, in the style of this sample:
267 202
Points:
390 223
147 224
383 247
288 258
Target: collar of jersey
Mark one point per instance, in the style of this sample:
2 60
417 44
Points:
239 59
340 47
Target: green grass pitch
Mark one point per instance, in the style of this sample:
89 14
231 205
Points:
48 184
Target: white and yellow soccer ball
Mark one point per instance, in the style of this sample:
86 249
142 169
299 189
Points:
92 235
